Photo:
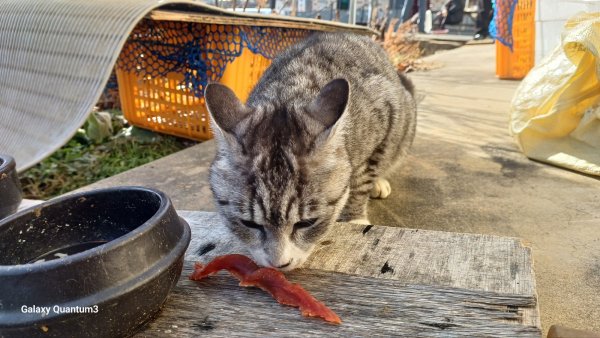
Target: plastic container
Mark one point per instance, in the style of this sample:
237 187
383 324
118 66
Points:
516 64
163 105
158 100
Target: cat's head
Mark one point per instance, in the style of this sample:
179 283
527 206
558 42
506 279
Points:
281 174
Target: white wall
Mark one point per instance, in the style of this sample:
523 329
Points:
551 15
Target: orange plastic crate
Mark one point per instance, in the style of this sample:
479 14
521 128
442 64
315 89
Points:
516 64
164 104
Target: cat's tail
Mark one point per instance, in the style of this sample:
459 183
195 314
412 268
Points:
407 83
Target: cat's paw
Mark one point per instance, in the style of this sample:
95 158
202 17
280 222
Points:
381 188
360 221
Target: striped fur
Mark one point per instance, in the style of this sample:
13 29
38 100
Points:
305 150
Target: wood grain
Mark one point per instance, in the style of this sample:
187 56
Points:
218 307
382 281
468 261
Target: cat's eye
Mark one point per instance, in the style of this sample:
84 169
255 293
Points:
252 225
306 223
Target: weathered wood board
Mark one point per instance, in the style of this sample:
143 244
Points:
218 307
382 281
469 261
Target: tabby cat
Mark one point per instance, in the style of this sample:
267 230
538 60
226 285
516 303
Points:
327 119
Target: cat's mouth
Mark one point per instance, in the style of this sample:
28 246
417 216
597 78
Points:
286 262
283 266
294 263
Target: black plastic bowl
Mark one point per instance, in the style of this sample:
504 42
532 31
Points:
10 188
102 262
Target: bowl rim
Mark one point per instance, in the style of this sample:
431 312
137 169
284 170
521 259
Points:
7 163
140 230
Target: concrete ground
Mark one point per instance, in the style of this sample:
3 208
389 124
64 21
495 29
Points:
465 174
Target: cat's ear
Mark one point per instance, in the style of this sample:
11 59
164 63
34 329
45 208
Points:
331 102
225 109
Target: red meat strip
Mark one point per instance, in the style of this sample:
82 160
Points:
270 280
238 265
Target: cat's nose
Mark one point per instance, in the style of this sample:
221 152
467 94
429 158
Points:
283 265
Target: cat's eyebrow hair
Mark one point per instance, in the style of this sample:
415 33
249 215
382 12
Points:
261 205
251 182
251 205
299 190
289 207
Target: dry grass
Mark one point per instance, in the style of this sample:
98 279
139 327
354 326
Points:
403 48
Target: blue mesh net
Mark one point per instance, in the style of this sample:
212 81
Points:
198 51
502 23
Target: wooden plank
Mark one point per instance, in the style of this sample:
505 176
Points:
369 307
231 18
468 261
501 265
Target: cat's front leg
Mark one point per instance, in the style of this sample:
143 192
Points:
355 210
381 188
360 221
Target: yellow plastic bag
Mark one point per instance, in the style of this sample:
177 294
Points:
555 116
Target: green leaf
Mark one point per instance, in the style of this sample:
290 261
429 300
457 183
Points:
99 126
144 136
